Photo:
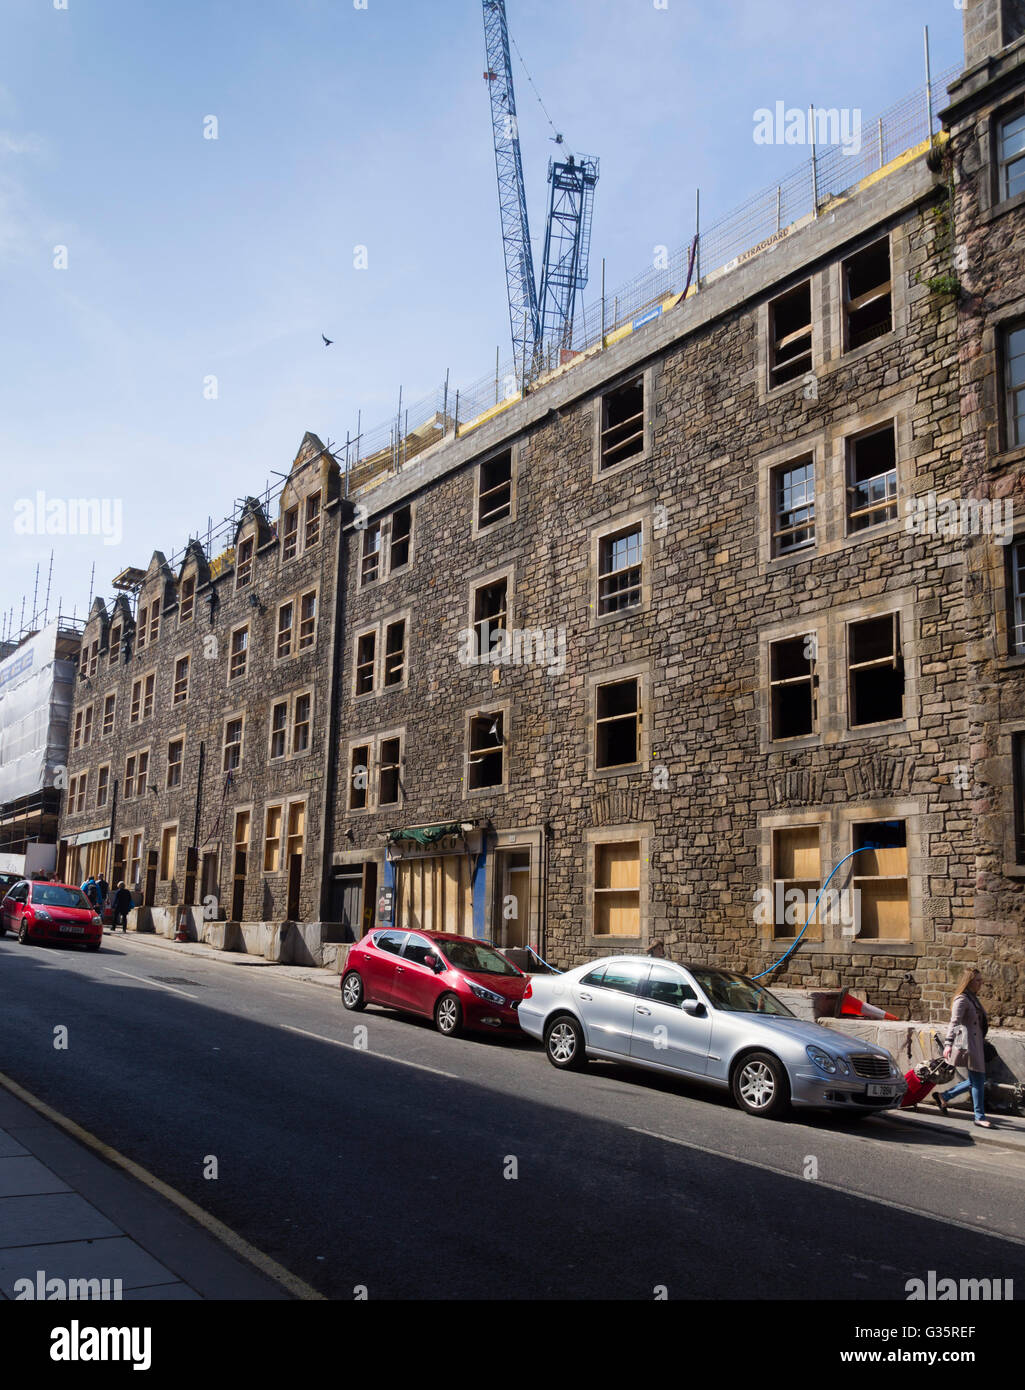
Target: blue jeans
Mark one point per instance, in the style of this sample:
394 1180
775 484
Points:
977 1084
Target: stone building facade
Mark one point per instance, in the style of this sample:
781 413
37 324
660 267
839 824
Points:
986 164
199 763
649 653
724 662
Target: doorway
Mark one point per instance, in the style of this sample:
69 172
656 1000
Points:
512 890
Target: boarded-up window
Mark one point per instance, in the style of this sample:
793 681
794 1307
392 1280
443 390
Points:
617 888
435 894
272 840
881 877
168 851
796 864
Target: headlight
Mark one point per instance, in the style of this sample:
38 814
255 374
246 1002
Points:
42 915
488 994
97 921
822 1060
842 1063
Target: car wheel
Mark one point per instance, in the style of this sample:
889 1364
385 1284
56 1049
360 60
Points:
448 1016
564 1043
760 1085
93 945
23 934
352 993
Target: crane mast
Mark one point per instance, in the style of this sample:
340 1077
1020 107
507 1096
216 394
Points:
524 315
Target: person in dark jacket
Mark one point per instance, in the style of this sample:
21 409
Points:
965 1044
122 905
103 892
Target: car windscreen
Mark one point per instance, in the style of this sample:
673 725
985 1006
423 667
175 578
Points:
53 895
472 956
736 994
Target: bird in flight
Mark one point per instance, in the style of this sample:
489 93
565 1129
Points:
327 341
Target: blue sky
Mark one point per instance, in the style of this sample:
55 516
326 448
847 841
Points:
337 127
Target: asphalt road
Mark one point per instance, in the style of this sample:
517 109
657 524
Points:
418 1166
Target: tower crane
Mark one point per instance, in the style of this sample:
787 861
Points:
539 318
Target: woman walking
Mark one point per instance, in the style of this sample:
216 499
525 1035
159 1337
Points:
965 1045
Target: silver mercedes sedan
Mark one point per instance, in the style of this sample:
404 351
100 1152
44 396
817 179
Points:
708 1025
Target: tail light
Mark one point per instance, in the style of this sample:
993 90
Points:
528 993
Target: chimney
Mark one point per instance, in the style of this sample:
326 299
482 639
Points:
989 26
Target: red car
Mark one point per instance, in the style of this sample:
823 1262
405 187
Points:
51 912
456 980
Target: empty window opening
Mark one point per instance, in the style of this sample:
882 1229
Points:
175 755
395 653
790 335
388 771
359 777
312 535
494 501
876 671
868 294
371 562
487 750
401 529
181 681
490 612
232 745
284 643
244 563
301 723
618 724
290 534
793 684
622 420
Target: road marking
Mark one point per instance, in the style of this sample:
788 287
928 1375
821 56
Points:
236 1243
155 983
382 1056
972 1226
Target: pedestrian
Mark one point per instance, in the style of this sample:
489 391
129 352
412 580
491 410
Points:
102 894
89 889
657 950
965 1045
122 905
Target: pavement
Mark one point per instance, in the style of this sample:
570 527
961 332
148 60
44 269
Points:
66 1213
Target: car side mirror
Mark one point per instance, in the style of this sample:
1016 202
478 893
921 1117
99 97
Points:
694 1007
436 964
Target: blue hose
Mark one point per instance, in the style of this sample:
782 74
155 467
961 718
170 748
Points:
813 912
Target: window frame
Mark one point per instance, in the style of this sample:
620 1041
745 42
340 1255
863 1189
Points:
175 741
233 674
498 710
238 717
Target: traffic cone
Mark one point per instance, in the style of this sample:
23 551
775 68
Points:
182 934
851 1007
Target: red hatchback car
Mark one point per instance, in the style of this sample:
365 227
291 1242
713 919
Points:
456 980
51 912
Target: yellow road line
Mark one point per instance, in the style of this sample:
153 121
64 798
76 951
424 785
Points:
289 1281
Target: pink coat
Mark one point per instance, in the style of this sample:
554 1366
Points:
965 1011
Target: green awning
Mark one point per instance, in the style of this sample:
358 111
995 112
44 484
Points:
425 834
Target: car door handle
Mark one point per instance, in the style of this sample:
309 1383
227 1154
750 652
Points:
399 970
642 1010
588 997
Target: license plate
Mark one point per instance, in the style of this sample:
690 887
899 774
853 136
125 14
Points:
887 1091
74 931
